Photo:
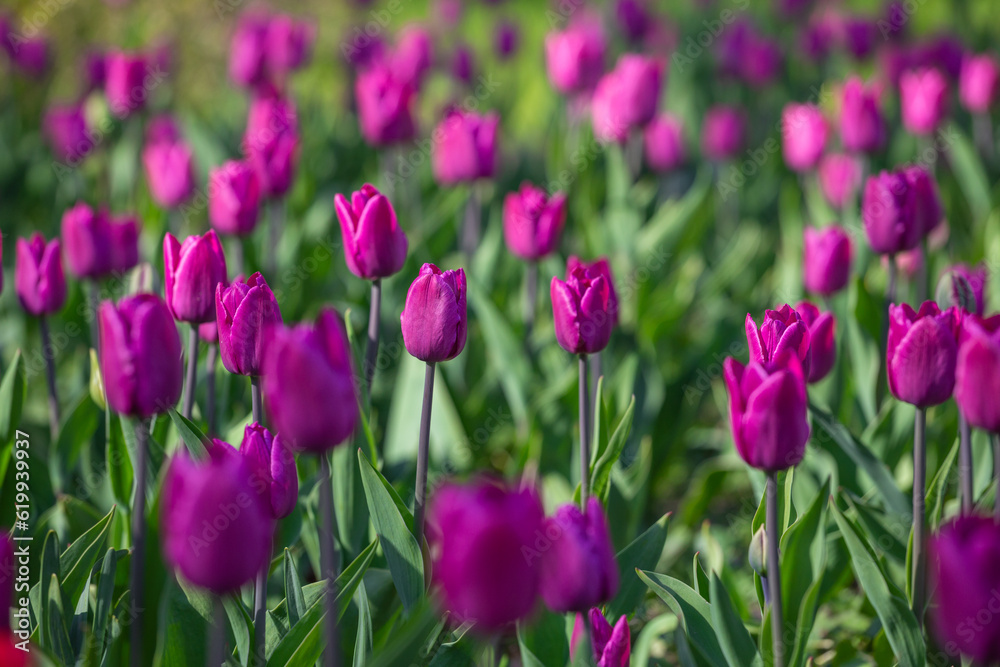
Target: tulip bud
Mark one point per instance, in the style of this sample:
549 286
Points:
611 647
462 64
507 39
826 259
979 83
608 117
782 330
584 306
124 243
234 191
663 143
374 245
640 80
30 55
976 277
822 340
215 530
954 290
926 203
169 172
413 56
575 57
485 542
977 371
66 130
839 178
192 272
271 142
923 100
757 553
385 106
888 210
435 319
86 237
38 276
533 222
289 43
466 149
96 385
140 356
578 570
162 129
125 82
722 133
248 49
803 131
768 411
862 127
245 311
921 353
272 469
309 387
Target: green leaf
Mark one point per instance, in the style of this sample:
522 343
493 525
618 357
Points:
363 640
643 553
969 172
183 626
105 596
76 431
803 553
544 639
196 441
400 546
293 592
734 639
408 639
11 398
938 488
120 471
79 559
700 579
694 612
58 636
601 476
40 594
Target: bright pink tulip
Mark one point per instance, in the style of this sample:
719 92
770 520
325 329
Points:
374 244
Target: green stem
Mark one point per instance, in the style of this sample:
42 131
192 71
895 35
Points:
919 484
773 568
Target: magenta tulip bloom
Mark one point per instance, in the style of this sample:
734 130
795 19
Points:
575 56
271 143
272 470
162 129
977 372
435 317
86 238
826 259
533 221
244 313
607 116
413 56
385 106
464 147
578 570
66 130
640 80
923 99
169 172
803 131
584 307
888 210
140 356
783 330
234 192
192 272
462 64
979 83
374 244
762 61
839 178
768 411
215 530
30 55
633 19
124 243
862 127
309 387
722 134
38 276
506 40
921 353
248 50
479 535
612 647
977 278
125 83
926 203
289 43
663 143
963 560
822 340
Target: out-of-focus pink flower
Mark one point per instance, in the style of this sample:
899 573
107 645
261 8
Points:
923 97
65 128
575 56
979 82
839 178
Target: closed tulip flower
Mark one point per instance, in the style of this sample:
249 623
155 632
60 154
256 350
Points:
86 237
462 65
215 530
413 55
803 130
125 82
768 411
976 277
782 330
977 372
608 117
862 127
640 80
66 130
466 147
140 356
584 307
963 558
579 570
30 55
826 259
272 143
192 272
507 39
822 340
979 82
38 276
234 192
289 43
272 469
479 535
385 106
575 56
533 221
888 210
244 312
839 178
374 244
921 353
926 203
722 135
663 143
309 387
162 129
435 319
923 98
169 171
248 50
611 647
124 243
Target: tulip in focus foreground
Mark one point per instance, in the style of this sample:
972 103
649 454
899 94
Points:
374 244
921 353
782 330
435 320
584 307
822 340
612 647
977 372
245 311
192 271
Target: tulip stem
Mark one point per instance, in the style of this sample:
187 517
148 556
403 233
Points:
192 372
584 432
530 299
95 302
210 358
260 617
423 452
919 482
138 562
773 568
996 474
328 558
371 352
255 400
50 376
217 634
965 463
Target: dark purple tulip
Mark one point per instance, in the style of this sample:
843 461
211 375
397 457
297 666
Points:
839 178
979 83
483 539
722 135
309 387
533 221
584 307
507 39
413 56
385 105
271 143
783 330
465 147
169 172
94 71
248 50
575 56
65 129
859 36
977 372
124 243
435 317
923 96
862 127
234 193
462 65
38 275
245 312
30 55
578 570
822 340
612 647
921 353
663 143
826 259
360 50
192 272
86 241
926 203
374 244
963 560
762 62
162 129
976 277
633 19
888 210
125 82
215 529
817 40
803 135
140 356
272 469
289 43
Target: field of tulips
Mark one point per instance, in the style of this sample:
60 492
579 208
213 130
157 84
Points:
468 332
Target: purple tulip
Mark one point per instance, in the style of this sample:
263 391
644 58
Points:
30 55
862 127
888 210
803 130
921 353
374 245
976 277
209 333
533 221
822 340
462 65
361 50
271 143
722 135
385 106
169 172
817 40
289 43
86 238
963 560
124 243
309 387
634 19
162 129
215 530
640 80
413 56
923 99
612 647
465 147
578 570
607 116
38 276
663 143
435 318
783 331
94 71
859 34
125 82
65 129
192 272
479 535
575 56
584 306
762 62
977 371
140 356
272 469
248 50
979 82
926 203
234 192
507 39
826 260
839 178
244 313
